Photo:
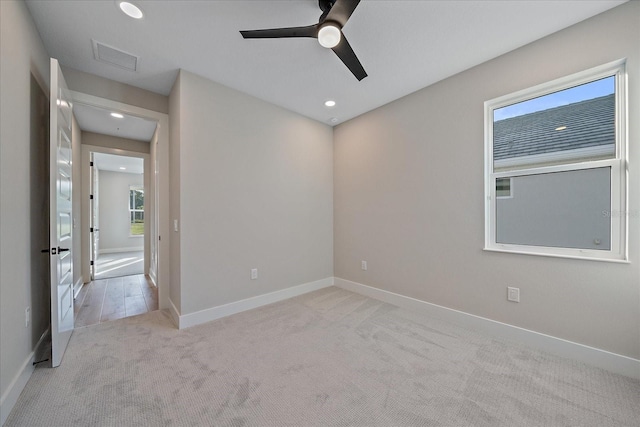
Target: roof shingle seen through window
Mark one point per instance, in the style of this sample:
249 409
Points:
588 123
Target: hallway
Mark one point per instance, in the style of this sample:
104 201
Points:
109 299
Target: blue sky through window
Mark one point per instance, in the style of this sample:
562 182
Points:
583 92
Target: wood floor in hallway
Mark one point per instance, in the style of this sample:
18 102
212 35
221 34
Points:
109 299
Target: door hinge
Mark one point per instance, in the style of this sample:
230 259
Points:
90 196
90 229
90 163
159 237
91 263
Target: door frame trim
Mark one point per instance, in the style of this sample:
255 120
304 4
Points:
85 206
161 176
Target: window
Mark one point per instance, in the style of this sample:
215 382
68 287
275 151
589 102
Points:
136 210
562 146
503 188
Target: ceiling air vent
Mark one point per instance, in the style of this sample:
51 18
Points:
113 56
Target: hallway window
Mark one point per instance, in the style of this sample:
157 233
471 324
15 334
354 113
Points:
136 210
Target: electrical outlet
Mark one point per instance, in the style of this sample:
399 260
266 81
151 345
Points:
254 273
364 265
513 294
27 317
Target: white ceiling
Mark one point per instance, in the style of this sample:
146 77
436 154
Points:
403 45
98 120
112 162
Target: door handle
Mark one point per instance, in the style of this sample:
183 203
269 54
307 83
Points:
53 250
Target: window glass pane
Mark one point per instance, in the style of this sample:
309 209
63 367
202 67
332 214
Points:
136 208
565 126
503 187
563 209
138 199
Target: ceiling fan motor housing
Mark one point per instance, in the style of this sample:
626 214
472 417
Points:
326 5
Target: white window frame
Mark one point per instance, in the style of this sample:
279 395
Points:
618 165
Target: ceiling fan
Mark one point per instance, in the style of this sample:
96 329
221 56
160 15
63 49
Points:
328 31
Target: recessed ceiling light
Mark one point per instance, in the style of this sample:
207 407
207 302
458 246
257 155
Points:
122 168
117 115
561 128
330 103
130 9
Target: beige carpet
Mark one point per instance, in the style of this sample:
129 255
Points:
329 358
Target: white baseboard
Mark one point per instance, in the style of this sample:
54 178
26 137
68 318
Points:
174 313
616 363
10 396
115 250
220 311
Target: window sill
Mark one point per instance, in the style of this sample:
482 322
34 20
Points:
556 255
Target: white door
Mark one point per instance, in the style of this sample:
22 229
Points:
93 216
60 215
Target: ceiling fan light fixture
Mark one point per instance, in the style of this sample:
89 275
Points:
130 9
329 36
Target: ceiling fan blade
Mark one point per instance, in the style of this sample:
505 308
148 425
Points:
341 11
348 56
276 33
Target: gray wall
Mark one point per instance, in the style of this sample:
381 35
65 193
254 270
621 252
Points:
113 211
409 198
256 191
23 56
175 103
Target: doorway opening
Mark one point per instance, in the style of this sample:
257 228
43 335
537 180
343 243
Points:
117 216
154 149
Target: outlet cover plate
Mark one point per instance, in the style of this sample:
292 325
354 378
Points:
513 294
